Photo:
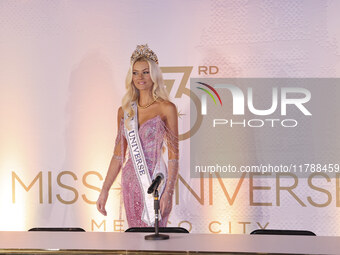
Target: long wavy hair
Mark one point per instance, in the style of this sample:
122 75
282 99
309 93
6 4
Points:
132 94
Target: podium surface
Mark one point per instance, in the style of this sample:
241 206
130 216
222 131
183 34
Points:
134 243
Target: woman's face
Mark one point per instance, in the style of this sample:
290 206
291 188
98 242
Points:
141 76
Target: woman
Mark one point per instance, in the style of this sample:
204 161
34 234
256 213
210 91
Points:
145 120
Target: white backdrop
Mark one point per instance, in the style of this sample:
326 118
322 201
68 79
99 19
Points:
62 72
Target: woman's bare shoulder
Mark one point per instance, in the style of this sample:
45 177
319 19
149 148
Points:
168 108
120 113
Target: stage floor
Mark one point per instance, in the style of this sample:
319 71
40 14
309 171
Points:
12 242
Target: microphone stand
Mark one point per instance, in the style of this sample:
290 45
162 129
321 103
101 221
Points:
156 235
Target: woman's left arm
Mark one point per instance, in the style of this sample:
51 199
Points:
171 123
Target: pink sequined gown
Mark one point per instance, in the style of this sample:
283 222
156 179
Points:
152 133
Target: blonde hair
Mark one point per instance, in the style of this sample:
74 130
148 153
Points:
132 93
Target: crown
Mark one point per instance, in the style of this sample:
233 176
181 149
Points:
143 51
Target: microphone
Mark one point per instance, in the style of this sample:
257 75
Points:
155 183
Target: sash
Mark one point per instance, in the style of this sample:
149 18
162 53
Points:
141 168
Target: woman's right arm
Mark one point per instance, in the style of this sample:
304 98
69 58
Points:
115 164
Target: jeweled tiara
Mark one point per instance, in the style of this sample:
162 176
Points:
143 50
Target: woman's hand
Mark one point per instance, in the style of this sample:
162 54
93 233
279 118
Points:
166 204
101 202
